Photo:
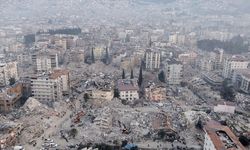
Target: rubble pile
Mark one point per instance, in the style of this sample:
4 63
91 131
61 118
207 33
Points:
117 122
35 117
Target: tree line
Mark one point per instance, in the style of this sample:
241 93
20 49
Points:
69 31
234 46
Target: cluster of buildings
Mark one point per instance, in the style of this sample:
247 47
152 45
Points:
88 67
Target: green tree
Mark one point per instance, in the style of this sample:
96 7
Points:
73 132
161 76
227 90
123 74
140 79
86 97
244 140
132 74
199 124
107 56
116 93
92 56
12 81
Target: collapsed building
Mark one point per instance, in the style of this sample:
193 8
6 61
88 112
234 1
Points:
155 92
10 97
9 131
220 137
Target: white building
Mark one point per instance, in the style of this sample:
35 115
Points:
225 108
128 89
241 79
177 39
8 71
218 137
44 62
50 87
217 58
174 72
232 63
153 59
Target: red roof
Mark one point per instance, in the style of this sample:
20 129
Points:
219 133
127 85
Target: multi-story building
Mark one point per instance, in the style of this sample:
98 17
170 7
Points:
232 63
44 62
187 57
152 59
218 58
61 42
128 89
205 64
241 80
10 97
174 72
76 56
63 75
23 59
8 71
177 39
218 137
99 52
50 87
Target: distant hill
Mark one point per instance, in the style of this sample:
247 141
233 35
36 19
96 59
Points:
118 9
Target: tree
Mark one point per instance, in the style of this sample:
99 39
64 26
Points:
150 42
107 56
29 39
132 74
161 76
116 93
228 91
92 56
183 84
123 74
12 81
124 143
86 97
244 140
140 79
73 132
234 46
199 124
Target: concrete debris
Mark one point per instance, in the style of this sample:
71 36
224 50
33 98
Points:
32 104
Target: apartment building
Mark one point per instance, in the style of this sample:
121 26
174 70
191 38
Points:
241 80
174 72
44 62
50 87
152 59
128 89
99 52
217 56
233 63
76 55
8 71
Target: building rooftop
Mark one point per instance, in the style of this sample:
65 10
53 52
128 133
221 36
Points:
53 75
244 72
222 137
127 85
238 58
174 61
58 72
